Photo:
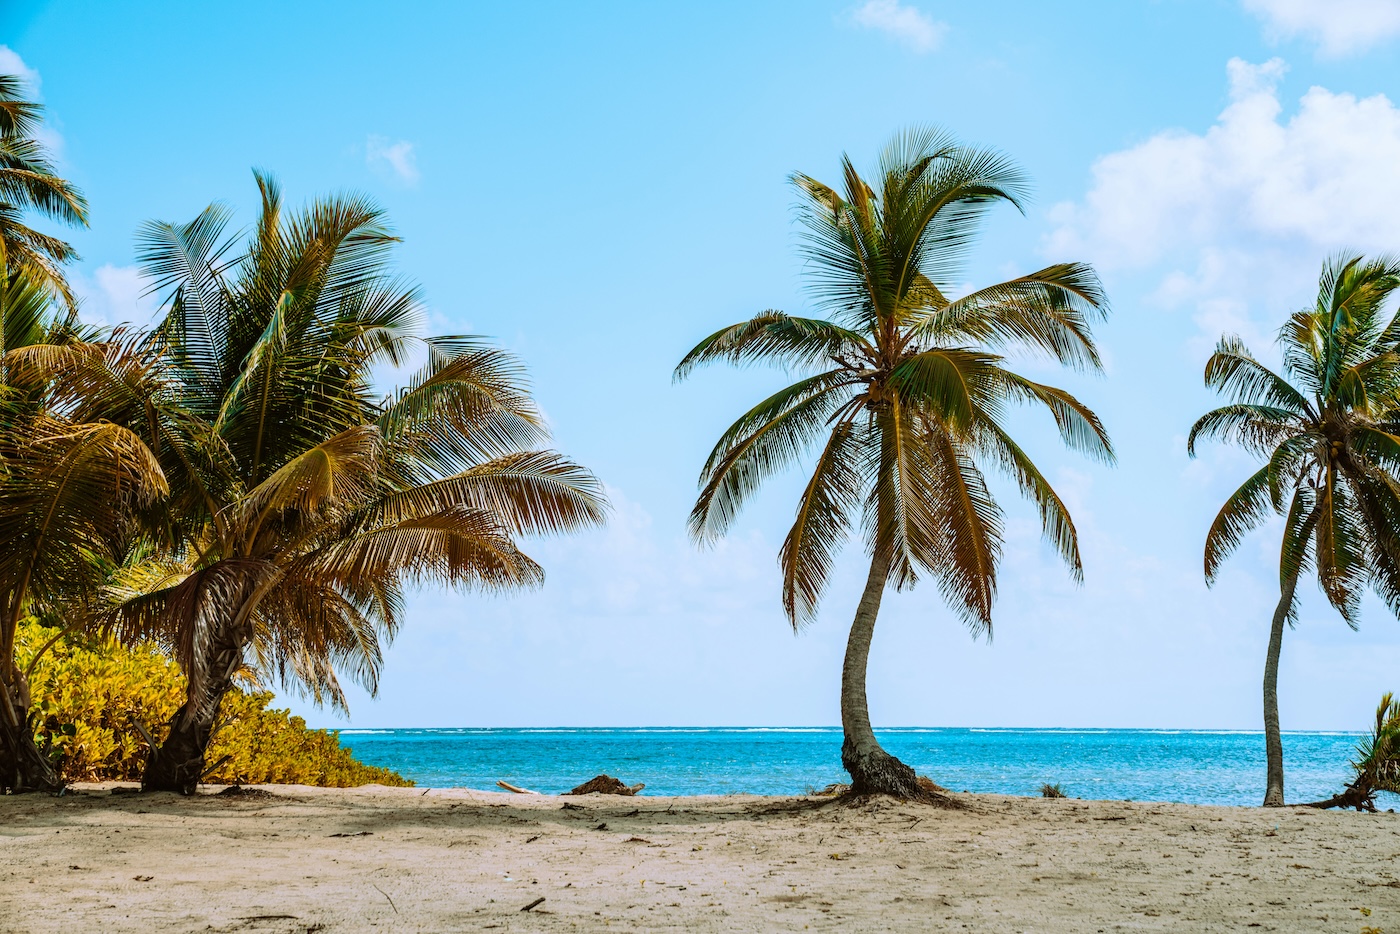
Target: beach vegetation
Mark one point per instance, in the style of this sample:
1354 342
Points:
1048 790
903 402
1327 429
96 702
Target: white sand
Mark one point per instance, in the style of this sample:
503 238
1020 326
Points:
405 860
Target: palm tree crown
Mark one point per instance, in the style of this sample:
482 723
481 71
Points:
909 392
1330 438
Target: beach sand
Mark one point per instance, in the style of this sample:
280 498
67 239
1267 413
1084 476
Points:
307 859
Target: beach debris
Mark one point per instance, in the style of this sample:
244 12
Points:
606 785
571 807
601 827
386 896
143 878
835 788
533 839
930 787
238 791
358 833
515 788
534 904
1052 791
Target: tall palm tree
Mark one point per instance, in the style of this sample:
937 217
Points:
904 403
69 491
1329 432
28 183
305 501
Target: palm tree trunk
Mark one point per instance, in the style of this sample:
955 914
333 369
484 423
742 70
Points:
873 771
1352 797
22 766
1273 738
177 764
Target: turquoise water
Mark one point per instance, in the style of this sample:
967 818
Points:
1201 767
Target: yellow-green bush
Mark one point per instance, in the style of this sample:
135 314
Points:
88 692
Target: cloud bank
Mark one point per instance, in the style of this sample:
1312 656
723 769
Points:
1339 27
1324 177
1237 220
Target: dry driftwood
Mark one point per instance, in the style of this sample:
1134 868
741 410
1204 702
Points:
606 785
520 791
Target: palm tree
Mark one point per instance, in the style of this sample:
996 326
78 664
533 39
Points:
905 401
69 490
1331 442
304 500
28 182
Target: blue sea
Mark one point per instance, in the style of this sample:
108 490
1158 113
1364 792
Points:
1193 766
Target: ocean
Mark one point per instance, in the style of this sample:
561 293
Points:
1191 766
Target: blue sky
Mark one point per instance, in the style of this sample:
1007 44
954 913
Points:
599 186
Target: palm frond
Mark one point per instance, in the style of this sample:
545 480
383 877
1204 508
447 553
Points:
829 504
774 337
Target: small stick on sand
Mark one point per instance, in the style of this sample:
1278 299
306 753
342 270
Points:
520 791
534 904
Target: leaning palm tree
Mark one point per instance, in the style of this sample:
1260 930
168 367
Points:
1376 767
1328 430
904 402
304 502
28 182
70 490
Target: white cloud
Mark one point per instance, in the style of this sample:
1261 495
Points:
1322 179
1337 26
395 157
12 64
908 24
114 295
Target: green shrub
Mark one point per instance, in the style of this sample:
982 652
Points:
88 693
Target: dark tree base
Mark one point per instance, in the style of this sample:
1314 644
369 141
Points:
876 772
178 763
22 766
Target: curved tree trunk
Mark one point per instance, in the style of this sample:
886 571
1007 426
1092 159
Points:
873 771
1273 737
177 764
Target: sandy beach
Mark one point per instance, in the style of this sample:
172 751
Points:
299 859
